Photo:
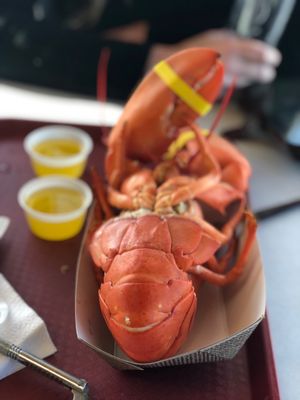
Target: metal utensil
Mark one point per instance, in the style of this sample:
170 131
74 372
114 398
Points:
79 387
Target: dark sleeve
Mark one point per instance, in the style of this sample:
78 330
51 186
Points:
289 46
67 60
125 68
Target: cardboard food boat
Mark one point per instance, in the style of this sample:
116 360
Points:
225 317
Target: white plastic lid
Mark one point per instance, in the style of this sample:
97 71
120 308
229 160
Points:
58 132
37 184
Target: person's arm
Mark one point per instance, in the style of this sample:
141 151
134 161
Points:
248 60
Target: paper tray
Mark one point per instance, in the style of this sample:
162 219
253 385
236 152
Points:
34 268
224 320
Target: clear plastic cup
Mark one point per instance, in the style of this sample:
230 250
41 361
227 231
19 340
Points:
55 207
58 149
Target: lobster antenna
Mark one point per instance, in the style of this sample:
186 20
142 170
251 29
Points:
100 193
102 74
102 83
223 107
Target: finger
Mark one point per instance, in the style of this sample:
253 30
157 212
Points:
241 82
250 71
256 50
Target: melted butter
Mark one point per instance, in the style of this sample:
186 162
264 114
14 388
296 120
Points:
55 200
58 148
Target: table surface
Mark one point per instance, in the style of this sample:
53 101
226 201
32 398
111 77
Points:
278 236
275 183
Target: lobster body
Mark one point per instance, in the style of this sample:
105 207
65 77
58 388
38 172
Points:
162 171
147 296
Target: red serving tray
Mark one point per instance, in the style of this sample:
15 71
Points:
43 273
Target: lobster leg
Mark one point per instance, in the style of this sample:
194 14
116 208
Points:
219 266
137 191
229 227
222 194
229 277
182 188
117 165
187 188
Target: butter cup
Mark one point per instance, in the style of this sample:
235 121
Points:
55 226
69 165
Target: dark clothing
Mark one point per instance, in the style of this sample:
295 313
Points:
38 47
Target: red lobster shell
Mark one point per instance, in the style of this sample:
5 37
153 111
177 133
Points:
147 298
148 295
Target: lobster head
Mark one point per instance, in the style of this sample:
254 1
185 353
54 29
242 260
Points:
195 76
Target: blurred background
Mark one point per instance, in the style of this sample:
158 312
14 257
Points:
57 44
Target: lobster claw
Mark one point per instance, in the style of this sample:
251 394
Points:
176 92
196 91
211 82
202 69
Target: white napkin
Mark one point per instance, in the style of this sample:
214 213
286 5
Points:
20 325
4 222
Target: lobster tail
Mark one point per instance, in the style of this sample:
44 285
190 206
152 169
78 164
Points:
156 314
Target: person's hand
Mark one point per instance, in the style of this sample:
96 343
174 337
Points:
135 33
248 60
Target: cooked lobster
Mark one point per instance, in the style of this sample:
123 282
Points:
179 194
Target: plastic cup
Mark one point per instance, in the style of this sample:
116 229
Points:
53 223
58 162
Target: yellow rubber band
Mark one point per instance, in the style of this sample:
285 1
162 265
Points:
180 142
182 89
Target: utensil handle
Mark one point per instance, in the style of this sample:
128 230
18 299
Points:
16 353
